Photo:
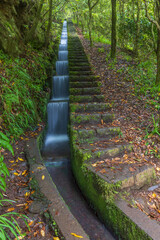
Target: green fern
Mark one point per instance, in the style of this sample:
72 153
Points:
4 142
8 222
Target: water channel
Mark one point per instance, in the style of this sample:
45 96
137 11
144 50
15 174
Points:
56 151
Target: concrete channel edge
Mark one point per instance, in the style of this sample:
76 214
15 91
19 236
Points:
57 207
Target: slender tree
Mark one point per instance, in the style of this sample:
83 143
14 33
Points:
136 17
90 22
32 30
156 21
49 23
113 34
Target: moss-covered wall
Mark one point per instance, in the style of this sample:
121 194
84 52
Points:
101 195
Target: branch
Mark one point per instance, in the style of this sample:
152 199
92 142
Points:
94 4
151 20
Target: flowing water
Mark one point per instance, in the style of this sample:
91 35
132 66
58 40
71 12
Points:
56 151
60 88
63 55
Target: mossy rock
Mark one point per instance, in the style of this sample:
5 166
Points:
95 118
86 98
83 84
82 78
90 107
79 68
85 91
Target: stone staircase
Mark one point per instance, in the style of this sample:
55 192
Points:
92 125
99 156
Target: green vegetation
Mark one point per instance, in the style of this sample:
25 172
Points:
23 101
7 220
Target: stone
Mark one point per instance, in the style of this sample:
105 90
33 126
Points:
128 182
37 207
144 177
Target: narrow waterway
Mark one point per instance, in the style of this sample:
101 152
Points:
56 151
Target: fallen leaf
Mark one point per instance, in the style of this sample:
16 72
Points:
20 159
30 223
131 169
27 194
102 121
56 238
24 172
35 233
43 177
42 233
75 235
154 195
94 165
103 171
125 156
20 205
15 173
10 209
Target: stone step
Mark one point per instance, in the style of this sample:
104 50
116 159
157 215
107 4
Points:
120 173
74 63
79 73
83 78
116 150
77 54
95 118
89 107
106 132
77 60
86 98
79 68
85 91
72 48
83 84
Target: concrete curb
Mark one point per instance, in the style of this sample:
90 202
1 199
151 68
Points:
58 209
150 227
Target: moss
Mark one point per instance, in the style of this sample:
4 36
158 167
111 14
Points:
79 63
80 99
77 119
38 195
101 196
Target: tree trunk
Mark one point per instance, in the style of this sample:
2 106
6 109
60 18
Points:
32 30
90 27
158 59
113 36
136 42
49 24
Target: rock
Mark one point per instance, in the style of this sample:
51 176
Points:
144 177
153 187
37 207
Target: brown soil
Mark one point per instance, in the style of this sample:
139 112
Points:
18 190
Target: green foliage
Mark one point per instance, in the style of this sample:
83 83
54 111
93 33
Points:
23 99
101 50
9 223
4 143
155 128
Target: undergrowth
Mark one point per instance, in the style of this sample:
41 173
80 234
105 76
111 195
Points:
22 95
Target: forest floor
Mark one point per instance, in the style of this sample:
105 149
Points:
19 191
133 115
